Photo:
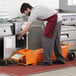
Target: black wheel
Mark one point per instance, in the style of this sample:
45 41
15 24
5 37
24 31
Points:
71 56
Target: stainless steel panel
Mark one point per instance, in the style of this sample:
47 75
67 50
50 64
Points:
35 38
9 46
5 31
68 28
18 27
66 20
5 24
72 47
68 35
69 19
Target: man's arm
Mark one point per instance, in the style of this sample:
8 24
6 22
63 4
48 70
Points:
24 31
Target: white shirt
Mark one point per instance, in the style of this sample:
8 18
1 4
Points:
41 12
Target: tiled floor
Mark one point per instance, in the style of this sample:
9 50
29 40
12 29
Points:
61 72
71 71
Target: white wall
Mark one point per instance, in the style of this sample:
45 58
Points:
63 4
13 6
4 8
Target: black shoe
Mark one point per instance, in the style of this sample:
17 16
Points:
58 62
45 63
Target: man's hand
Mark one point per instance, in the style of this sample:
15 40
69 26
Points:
18 37
24 31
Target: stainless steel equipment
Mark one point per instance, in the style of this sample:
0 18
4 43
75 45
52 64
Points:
19 26
68 29
32 40
5 29
7 40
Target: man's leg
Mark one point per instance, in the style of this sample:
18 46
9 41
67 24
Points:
57 46
48 46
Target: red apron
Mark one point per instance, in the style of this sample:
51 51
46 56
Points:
49 30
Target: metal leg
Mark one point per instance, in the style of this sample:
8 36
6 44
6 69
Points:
6 62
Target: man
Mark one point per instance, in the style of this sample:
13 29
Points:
51 36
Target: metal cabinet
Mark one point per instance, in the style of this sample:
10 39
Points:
69 37
68 30
35 38
7 47
7 40
32 40
19 26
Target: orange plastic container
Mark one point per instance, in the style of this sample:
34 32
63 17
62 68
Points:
65 51
27 56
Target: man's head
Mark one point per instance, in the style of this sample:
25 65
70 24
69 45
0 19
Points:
26 8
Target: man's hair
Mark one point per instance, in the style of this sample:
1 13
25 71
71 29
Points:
24 7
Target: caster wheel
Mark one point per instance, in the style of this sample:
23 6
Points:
71 56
